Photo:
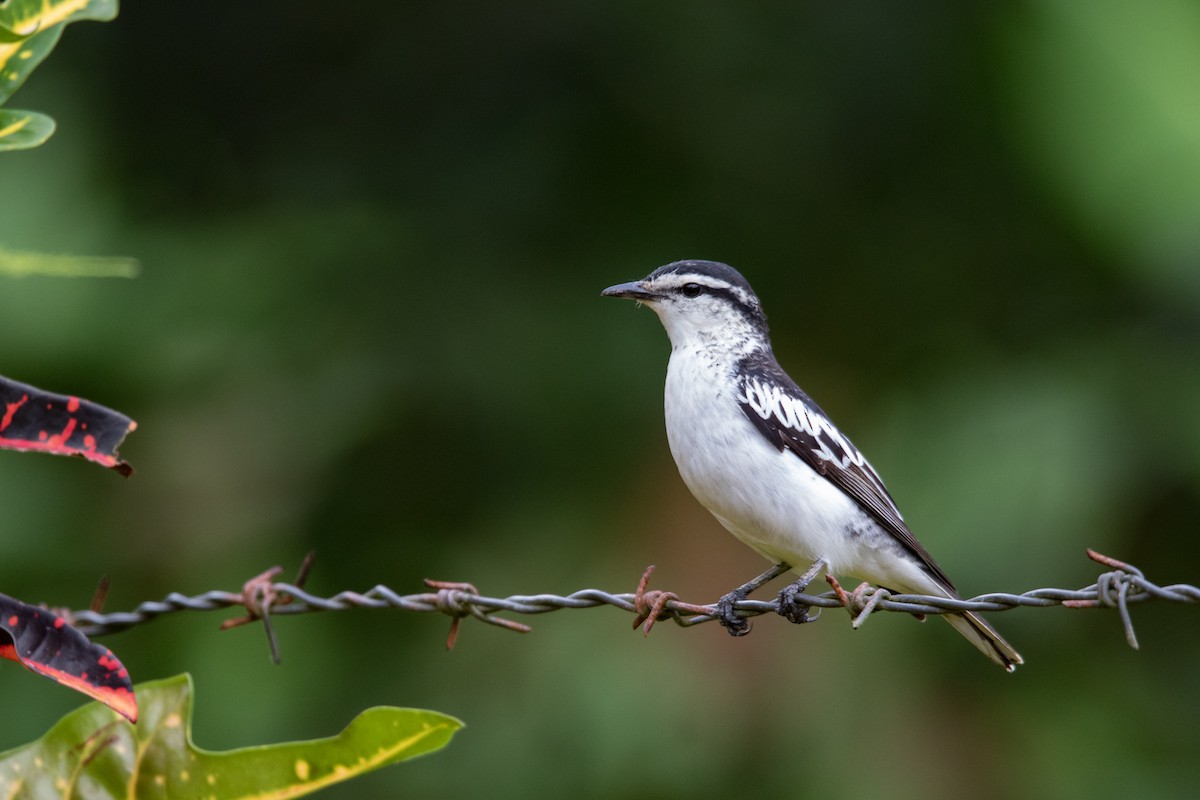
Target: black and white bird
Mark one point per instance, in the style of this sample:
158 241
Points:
767 461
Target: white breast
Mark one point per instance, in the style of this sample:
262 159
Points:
770 499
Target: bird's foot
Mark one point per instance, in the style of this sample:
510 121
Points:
727 615
790 607
724 611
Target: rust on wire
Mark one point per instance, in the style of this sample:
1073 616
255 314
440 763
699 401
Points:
263 597
260 594
649 604
458 600
100 595
1112 589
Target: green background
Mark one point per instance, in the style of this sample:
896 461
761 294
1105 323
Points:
373 238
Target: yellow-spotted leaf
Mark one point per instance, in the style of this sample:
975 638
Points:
93 754
23 129
29 29
13 36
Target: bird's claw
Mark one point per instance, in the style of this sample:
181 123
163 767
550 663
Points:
790 608
727 615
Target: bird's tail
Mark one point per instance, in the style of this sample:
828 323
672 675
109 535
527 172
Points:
984 636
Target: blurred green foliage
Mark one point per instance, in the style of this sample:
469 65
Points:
20 264
368 322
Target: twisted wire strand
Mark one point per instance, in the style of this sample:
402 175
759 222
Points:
1119 588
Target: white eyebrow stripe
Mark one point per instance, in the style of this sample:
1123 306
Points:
677 279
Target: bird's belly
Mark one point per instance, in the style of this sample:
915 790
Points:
777 504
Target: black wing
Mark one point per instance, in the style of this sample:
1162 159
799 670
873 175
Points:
790 420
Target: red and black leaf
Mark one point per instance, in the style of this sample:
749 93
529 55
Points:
44 643
31 419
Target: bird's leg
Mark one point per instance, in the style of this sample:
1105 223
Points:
790 608
724 611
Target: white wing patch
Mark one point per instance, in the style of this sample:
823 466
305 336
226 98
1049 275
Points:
829 447
790 412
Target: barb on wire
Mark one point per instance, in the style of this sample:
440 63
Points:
263 598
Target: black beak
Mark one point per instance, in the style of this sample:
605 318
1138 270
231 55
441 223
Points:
634 290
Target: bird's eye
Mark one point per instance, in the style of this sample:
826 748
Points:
692 289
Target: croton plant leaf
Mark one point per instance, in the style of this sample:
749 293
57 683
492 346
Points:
44 643
94 755
37 420
29 29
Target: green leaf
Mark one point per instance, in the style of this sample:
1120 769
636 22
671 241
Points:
93 753
20 130
12 36
38 23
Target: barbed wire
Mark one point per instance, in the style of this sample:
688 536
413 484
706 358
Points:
263 597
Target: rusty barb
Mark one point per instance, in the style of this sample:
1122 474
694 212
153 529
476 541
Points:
458 600
263 598
1113 589
649 605
261 593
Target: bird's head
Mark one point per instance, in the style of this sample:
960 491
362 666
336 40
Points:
700 301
